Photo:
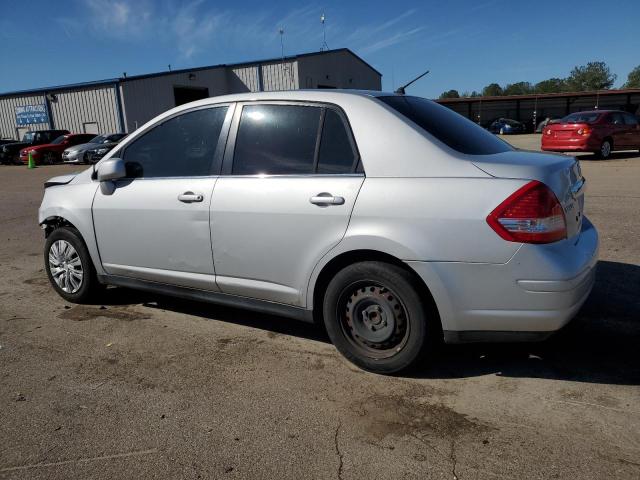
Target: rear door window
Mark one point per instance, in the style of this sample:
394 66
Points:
276 140
449 127
630 119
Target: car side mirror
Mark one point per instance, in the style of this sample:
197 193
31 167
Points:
112 169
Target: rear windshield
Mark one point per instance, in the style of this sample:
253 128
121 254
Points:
449 127
581 117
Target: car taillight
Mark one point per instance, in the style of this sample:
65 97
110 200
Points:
548 132
584 131
532 214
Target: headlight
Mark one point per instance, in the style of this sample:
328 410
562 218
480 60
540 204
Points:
101 151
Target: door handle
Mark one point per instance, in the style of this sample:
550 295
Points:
325 199
190 197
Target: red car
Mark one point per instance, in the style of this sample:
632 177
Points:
52 152
597 131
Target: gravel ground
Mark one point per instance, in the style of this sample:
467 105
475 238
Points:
150 387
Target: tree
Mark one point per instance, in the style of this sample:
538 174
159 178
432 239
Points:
450 94
633 80
592 76
492 90
552 85
519 88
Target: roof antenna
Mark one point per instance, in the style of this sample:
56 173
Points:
401 90
169 67
281 32
324 34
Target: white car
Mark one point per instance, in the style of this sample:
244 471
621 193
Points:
392 220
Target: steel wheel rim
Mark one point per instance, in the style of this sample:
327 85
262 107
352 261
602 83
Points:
605 150
373 319
65 266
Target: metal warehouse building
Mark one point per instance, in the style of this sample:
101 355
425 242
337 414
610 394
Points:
484 110
123 104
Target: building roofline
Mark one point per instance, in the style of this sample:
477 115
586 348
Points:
111 81
533 96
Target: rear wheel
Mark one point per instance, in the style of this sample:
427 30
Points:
69 266
605 150
376 318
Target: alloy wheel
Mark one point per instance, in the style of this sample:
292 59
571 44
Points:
65 266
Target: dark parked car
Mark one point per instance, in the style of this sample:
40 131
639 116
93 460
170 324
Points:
10 153
505 126
597 131
94 154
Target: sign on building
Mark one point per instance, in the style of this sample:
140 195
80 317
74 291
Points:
30 114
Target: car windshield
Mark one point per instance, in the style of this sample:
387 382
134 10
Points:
116 137
513 123
449 127
28 137
98 139
58 140
581 117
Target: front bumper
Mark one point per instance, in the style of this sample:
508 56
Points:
538 291
73 157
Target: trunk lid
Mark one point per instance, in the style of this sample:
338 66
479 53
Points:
566 130
561 173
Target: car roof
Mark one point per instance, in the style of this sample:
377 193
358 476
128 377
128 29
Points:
320 95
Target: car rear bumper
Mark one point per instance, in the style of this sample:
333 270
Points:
569 144
538 291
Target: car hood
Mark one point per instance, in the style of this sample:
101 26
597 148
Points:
104 145
60 180
83 147
42 147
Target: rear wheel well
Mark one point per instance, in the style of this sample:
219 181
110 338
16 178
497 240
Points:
348 258
610 140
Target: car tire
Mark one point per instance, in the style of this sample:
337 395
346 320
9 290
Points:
49 158
376 318
605 150
69 266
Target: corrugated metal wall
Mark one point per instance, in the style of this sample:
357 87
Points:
147 97
71 110
243 79
278 76
8 114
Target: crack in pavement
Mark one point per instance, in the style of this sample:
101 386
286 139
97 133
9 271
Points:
452 457
338 452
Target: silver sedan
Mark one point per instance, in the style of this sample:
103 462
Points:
78 153
391 220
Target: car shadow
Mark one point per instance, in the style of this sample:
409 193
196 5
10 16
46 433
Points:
601 345
590 157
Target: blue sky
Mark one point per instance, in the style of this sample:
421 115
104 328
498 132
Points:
466 44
